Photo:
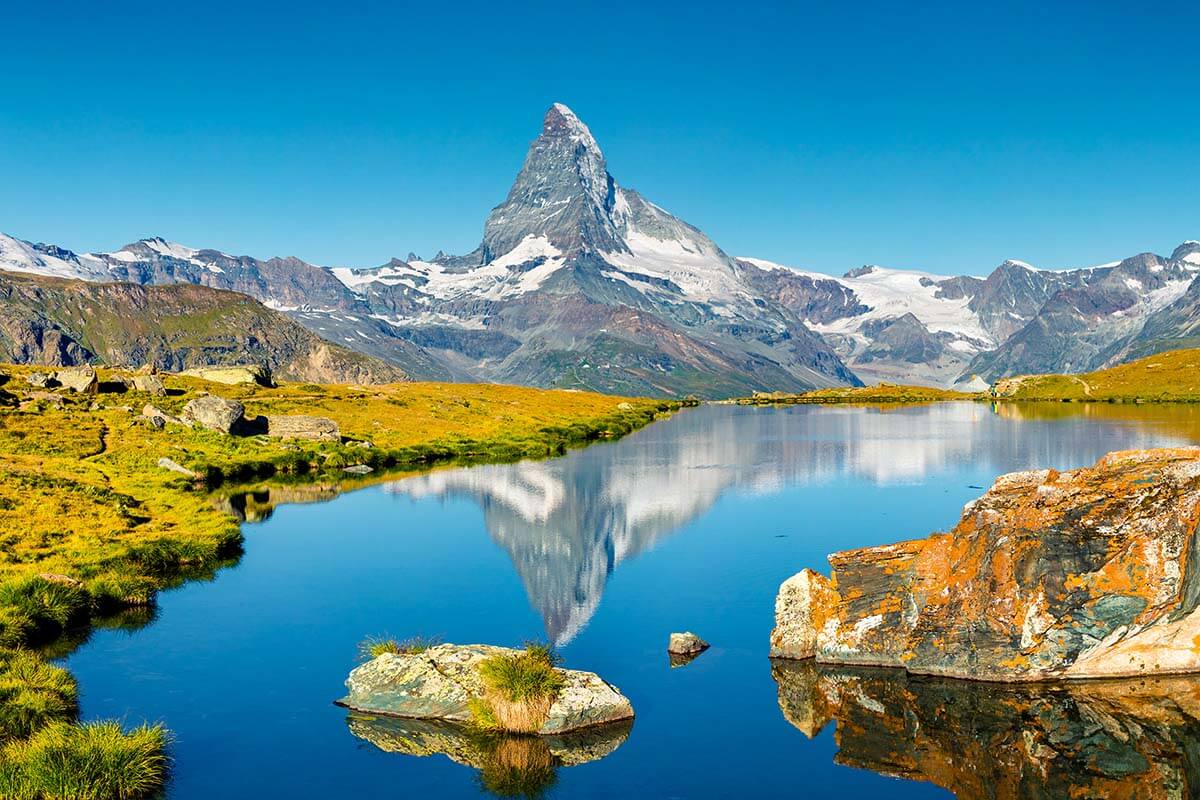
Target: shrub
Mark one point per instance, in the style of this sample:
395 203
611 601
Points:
33 694
519 689
96 761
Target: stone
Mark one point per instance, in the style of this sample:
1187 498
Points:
1131 738
438 683
1084 574
214 413
297 426
151 384
359 469
78 379
53 398
147 369
153 413
686 643
232 375
175 466
624 406
39 380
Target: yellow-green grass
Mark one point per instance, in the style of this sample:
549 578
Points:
879 394
519 689
1170 377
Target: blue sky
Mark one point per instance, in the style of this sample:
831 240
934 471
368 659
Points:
940 136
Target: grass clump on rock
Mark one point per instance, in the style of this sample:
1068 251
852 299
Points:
374 646
519 689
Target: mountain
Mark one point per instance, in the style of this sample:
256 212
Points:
581 282
63 322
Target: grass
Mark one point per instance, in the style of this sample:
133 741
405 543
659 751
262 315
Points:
519 689
1169 377
93 761
879 394
33 694
91 528
517 766
375 646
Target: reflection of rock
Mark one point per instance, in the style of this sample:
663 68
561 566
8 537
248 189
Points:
260 504
1087 573
510 766
440 682
1133 738
568 523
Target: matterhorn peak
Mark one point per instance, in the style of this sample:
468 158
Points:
563 193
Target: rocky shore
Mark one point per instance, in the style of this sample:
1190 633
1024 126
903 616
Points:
1082 574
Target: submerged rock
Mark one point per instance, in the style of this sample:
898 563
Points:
1081 574
214 413
686 644
439 682
1129 738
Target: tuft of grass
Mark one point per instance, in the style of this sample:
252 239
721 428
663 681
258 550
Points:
95 761
33 694
519 689
45 608
374 646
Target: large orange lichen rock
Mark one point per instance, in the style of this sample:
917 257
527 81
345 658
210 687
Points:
1089 573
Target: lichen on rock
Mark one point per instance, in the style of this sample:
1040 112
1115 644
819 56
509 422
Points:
1087 573
442 681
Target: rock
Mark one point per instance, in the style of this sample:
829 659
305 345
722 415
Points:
151 384
78 379
624 406
359 469
214 413
65 580
175 466
147 369
439 682
53 398
1083 574
242 374
687 643
296 426
154 413
1132 738
39 380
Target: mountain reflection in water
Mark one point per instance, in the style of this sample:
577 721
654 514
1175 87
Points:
568 522
1136 738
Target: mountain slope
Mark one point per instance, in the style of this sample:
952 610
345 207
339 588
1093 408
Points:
62 322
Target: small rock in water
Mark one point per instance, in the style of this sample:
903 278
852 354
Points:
685 644
359 469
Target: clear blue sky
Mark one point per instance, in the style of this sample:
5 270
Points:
946 137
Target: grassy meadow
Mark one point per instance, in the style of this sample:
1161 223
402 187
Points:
92 527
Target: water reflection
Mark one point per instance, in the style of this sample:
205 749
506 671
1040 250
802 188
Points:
1115 739
509 766
569 522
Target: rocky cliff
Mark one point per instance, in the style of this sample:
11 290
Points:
1081 574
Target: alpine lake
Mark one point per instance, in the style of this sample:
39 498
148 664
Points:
689 524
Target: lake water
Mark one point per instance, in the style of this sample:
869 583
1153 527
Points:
691 523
